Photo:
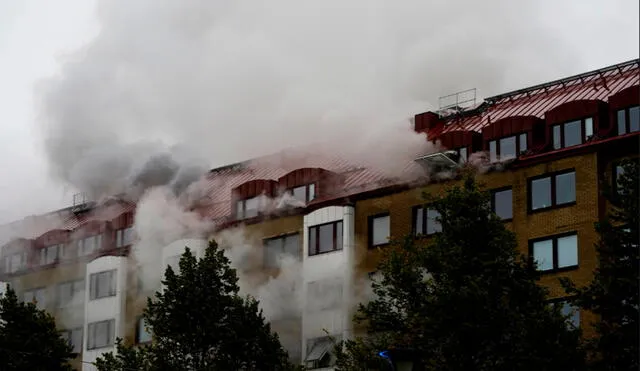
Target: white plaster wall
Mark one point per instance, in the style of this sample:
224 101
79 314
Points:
332 265
112 307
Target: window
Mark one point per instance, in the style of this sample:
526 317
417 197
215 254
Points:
74 338
36 296
305 193
425 221
248 208
102 284
124 237
618 172
89 245
463 154
572 133
319 353
552 190
70 293
555 253
275 248
379 230
507 148
325 238
15 262
502 203
101 334
142 335
572 313
628 120
50 254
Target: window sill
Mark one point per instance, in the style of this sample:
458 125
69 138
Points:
554 207
559 270
100 347
103 297
324 252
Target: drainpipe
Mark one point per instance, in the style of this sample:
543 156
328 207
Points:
349 246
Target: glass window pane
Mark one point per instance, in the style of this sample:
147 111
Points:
634 119
300 193
540 193
240 209
312 240
622 122
493 157
144 336
251 207
326 237
543 254
312 191
503 204
572 133
339 240
507 148
380 230
463 154
292 245
568 251
588 127
272 251
565 188
76 340
556 137
418 221
523 142
433 225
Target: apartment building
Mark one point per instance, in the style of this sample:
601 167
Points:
546 152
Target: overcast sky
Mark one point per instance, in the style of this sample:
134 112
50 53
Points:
35 34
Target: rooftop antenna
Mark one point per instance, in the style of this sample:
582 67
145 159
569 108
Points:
457 102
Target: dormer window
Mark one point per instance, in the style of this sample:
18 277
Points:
572 133
628 120
248 208
304 193
507 148
50 254
89 245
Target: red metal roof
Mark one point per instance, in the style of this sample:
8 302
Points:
536 100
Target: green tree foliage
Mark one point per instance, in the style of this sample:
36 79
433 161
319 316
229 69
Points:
200 322
29 339
613 293
463 300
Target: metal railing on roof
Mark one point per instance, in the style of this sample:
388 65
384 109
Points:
620 67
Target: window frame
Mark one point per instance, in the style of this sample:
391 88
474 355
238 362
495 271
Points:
467 152
81 242
568 300
552 177
44 253
370 222
243 202
519 150
425 213
493 201
316 250
554 238
68 336
627 120
9 268
307 192
283 237
583 132
615 186
111 331
42 304
140 321
72 284
120 235
113 283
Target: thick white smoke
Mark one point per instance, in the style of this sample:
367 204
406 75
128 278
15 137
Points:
232 80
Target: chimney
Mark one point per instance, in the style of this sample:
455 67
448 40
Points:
425 121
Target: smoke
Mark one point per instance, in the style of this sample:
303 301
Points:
234 80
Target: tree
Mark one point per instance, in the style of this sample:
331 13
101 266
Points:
465 300
29 339
200 322
613 293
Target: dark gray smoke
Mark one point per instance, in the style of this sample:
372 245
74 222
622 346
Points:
235 79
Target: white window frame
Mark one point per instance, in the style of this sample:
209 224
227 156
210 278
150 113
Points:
97 279
92 334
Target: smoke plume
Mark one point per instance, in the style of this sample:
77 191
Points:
226 81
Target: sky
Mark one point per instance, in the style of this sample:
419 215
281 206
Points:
74 72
